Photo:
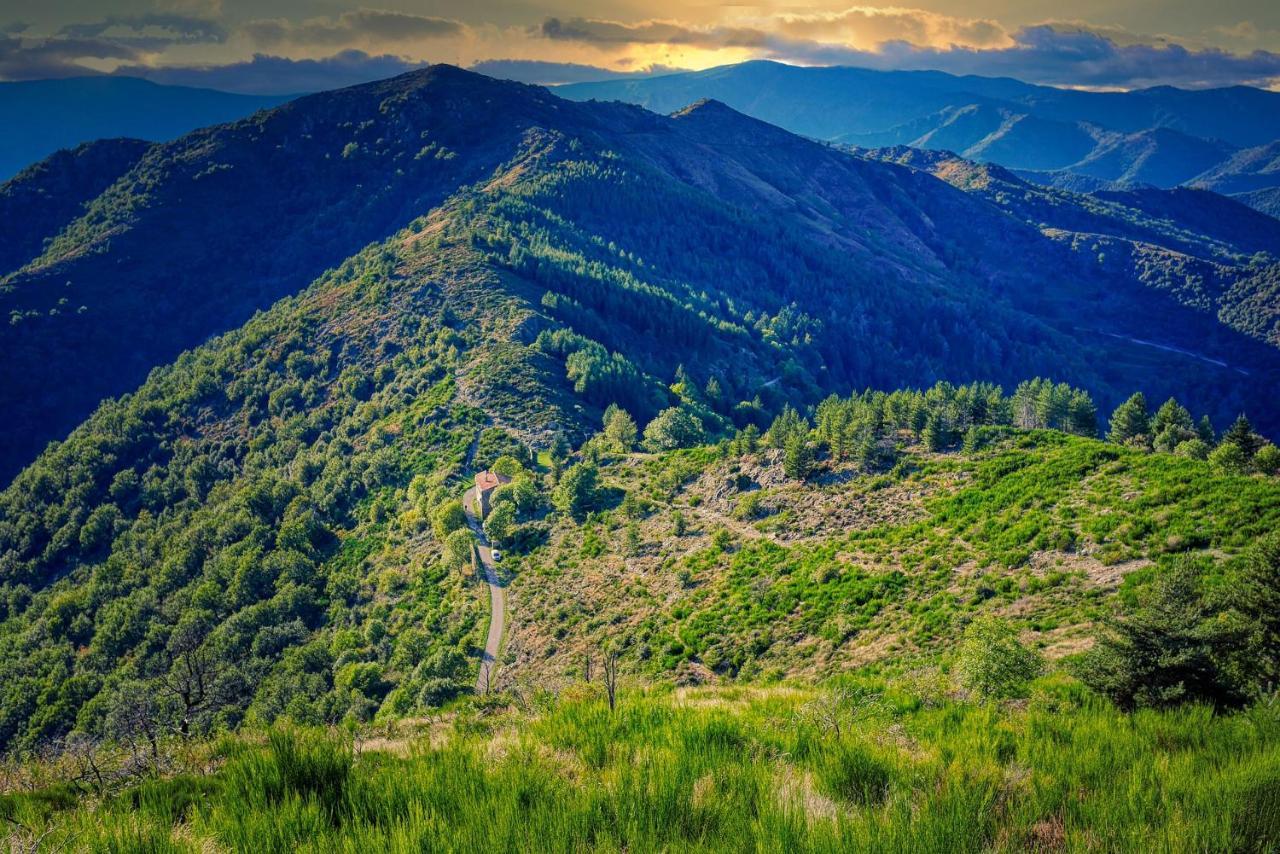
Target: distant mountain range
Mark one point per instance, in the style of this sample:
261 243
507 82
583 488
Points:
706 238
1220 139
39 117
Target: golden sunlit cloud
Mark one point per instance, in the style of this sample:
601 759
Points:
1060 52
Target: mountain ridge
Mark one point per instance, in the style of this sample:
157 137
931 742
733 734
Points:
277 208
1162 135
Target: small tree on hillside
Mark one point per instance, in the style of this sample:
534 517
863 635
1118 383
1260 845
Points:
501 523
673 428
620 430
1177 648
1267 460
1242 436
1257 597
788 423
1171 426
993 663
609 669
559 455
575 495
193 676
1204 429
797 459
1130 423
447 518
1230 458
457 549
935 436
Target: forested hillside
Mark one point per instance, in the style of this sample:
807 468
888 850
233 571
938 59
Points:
705 218
278 501
771 415
1203 250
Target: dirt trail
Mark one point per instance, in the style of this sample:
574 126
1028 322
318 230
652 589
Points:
497 596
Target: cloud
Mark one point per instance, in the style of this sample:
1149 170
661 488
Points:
360 26
14 27
651 32
871 25
556 73
857 26
1067 54
126 39
1046 54
278 75
33 59
156 29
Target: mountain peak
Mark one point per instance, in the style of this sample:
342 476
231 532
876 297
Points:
710 120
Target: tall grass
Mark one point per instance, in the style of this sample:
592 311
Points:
724 770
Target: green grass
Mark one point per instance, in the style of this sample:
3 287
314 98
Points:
1044 528
722 769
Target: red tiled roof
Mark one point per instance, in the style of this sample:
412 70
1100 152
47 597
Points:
487 480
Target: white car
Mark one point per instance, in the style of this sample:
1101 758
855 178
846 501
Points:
496 555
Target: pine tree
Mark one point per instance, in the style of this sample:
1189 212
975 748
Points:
1171 426
559 454
1204 429
787 424
1242 436
935 434
1082 415
797 458
1130 423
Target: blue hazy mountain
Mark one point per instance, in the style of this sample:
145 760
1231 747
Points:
39 117
1223 139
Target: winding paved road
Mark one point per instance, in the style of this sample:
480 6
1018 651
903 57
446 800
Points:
497 597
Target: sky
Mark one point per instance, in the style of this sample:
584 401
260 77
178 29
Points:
288 46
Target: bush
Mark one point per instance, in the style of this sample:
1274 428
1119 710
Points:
993 663
1267 460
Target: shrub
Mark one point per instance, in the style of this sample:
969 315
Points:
993 663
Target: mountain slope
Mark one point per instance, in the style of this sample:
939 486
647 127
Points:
1162 157
828 102
1203 250
39 117
277 503
1252 175
42 199
207 229
1161 136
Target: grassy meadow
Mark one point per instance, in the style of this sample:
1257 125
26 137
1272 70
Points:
859 766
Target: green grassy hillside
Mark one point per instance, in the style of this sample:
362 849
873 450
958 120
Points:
855 568
865 766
